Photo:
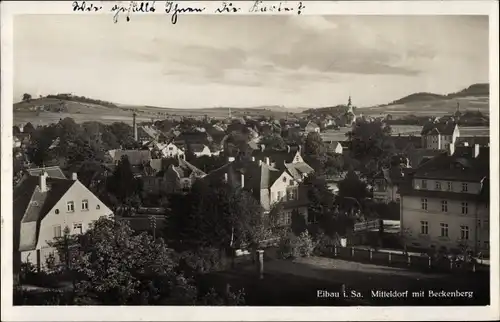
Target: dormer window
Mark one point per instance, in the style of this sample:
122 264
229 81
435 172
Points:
284 179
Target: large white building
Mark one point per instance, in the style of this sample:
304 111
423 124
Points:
439 136
445 201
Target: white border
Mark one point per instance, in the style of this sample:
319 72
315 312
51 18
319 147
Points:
9 313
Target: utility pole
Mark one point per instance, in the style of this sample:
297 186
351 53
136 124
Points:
152 223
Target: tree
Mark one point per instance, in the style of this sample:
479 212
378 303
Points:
123 184
351 187
315 152
26 97
273 141
322 207
28 128
371 144
117 267
214 215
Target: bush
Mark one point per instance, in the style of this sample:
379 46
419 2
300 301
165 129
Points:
324 243
212 297
203 260
292 246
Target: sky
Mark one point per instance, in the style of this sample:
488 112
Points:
252 60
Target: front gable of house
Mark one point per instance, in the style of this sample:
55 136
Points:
297 158
78 206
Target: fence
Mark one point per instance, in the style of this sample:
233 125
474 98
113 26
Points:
367 225
401 259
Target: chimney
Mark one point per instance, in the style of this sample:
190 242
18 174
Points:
253 159
134 124
452 149
268 162
242 180
43 182
230 159
21 128
476 150
74 176
262 147
466 143
260 162
300 148
288 148
225 177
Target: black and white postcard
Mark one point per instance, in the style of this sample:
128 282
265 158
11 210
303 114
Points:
250 160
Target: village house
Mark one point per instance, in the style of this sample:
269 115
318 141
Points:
439 135
334 147
43 208
268 185
289 160
445 201
135 157
386 184
311 127
178 176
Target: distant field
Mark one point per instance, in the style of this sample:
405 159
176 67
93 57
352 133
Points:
435 108
406 130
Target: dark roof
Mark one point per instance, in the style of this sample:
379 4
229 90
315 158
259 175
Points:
256 175
472 140
297 170
438 128
185 169
30 205
135 157
402 143
52 172
279 157
417 156
197 147
462 165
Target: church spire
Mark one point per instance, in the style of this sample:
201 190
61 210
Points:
349 102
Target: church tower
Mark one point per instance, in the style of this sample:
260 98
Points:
349 106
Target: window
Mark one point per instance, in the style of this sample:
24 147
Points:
479 223
464 232
97 207
185 184
424 184
311 219
444 206
297 159
70 206
57 231
170 148
284 179
424 203
449 186
444 230
464 187
486 244
78 228
424 227
273 196
485 222
438 185
465 208
292 194
85 204
280 195
56 211
287 219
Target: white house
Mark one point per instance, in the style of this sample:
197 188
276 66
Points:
439 136
43 207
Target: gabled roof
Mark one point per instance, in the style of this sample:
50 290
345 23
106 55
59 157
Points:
135 157
185 169
297 170
462 165
279 157
438 128
257 176
52 172
312 124
197 147
31 205
472 140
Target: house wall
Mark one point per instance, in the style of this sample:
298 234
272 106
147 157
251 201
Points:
171 150
412 215
455 186
76 193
